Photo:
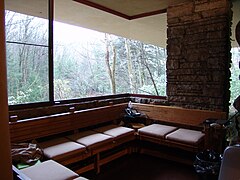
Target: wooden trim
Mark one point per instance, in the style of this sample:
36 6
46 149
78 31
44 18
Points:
113 157
178 115
175 144
73 159
24 130
85 168
152 13
117 13
5 151
50 50
103 8
148 96
168 156
96 99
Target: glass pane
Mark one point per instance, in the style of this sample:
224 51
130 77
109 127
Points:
27 73
97 53
89 63
26 29
26 25
235 81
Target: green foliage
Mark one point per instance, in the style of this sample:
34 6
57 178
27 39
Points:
233 129
81 65
27 62
235 74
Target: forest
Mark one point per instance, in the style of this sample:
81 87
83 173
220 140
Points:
105 65
89 66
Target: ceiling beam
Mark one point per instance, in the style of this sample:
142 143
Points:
148 14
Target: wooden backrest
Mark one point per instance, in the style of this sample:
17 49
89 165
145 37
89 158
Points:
33 128
36 112
28 129
178 115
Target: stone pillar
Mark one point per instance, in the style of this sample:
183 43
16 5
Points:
5 164
198 47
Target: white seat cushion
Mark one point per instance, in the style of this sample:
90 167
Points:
186 136
156 130
49 170
61 148
115 131
91 139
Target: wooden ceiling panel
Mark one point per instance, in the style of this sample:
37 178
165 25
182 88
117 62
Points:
131 9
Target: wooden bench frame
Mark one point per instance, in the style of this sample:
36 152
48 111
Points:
50 125
33 128
40 127
181 118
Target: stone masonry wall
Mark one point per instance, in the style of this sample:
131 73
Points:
198 60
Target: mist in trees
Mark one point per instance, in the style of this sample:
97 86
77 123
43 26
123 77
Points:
107 64
27 58
102 64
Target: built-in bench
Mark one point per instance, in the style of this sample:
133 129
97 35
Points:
77 135
177 127
92 137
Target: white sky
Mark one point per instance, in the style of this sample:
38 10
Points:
70 34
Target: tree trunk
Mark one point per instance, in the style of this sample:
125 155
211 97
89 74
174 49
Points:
111 73
148 69
113 70
131 74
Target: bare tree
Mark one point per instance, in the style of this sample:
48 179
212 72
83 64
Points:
131 73
148 68
27 59
110 70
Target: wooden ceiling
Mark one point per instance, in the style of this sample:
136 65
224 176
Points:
129 9
132 9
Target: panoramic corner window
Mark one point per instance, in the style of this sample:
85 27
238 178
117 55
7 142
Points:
27 47
235 65
99 54
235 74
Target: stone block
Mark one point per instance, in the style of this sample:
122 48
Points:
213 12
172 21
191 18
198 53
174 49
180 10
177 31
172 64
210 5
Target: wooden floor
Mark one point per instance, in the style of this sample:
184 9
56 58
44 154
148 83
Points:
144 167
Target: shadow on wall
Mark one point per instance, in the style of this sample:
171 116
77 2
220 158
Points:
237 32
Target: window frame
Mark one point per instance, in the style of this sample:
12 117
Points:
51 101
50 66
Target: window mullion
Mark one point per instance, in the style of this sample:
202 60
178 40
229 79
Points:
51 85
